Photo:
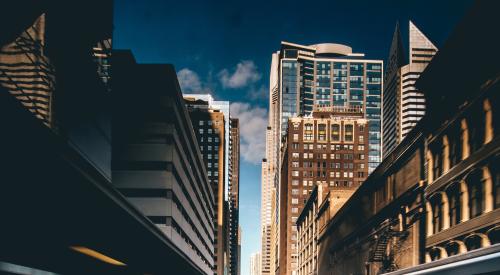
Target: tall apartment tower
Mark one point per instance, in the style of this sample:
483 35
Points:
327 148
404 105
234 196
157 162
209 125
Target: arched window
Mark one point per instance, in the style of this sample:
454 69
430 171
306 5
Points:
494 235
473 242
453 248
436 170
476 191
437 210
455 146
476 131
436 253
455 202
488 121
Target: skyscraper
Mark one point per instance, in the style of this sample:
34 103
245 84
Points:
404 105
209 126
234 196
303 78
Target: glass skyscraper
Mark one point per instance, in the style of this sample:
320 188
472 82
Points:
330 75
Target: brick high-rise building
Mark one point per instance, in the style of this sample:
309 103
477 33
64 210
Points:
328 148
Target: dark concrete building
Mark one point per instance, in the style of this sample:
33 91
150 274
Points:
157 163
432 205
60 211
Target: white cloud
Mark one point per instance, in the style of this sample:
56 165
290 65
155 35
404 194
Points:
255 93
253 123
190 82
246 73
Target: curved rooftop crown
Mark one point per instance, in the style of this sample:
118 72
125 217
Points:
332 49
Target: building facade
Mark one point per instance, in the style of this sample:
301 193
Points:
157 162
209 125
404 104
432 205
234 196
313 219
328 148
255 267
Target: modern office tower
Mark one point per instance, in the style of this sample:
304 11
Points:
329 75
209 126
269 178
404 105
255 266
234 196
157 161
327 148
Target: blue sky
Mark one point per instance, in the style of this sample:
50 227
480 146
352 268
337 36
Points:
224 48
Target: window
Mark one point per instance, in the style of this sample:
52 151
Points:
295 210
437 208
454 197
200 131
295 173
209 123
361 139
335 132
322 132
295 146
209 130
295 164
295 191
295 182
476 200
295 155
200 122
209 139
361 147
349 133
295 201
295 137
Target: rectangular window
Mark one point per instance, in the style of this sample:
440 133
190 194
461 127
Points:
322 132
295 201
349 133
295 182
335 132
295 173
295 155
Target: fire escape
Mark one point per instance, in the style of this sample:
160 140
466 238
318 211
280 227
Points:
386 235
